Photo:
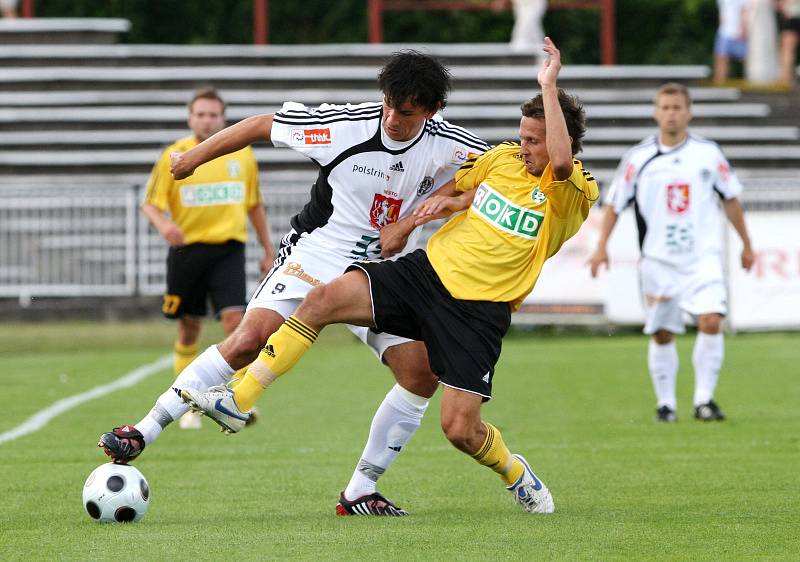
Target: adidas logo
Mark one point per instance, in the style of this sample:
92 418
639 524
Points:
269 350
397 167
395 448
486 377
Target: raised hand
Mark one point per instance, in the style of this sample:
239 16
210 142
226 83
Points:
551 64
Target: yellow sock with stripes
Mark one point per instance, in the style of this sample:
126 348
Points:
284 348
184 354
494 454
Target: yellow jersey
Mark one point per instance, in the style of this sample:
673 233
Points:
495 250
211 205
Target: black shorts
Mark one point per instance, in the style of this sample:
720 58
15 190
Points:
198 272
788 24
463 338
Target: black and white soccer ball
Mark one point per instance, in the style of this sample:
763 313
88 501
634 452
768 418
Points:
116 493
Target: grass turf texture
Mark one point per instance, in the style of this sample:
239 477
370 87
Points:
580 408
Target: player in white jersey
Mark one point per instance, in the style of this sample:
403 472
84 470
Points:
676 181
376 161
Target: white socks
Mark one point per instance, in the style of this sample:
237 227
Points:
207 370
395 422
709 351
662 361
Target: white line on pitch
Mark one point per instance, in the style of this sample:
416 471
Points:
42 417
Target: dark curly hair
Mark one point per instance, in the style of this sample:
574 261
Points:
410 76
574 115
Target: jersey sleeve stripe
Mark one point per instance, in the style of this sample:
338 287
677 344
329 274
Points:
316 121
461 131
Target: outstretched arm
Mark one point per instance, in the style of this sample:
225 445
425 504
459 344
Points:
230 139
394 237
559 144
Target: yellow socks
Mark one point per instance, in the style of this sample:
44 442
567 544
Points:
184 354
494 454
284 348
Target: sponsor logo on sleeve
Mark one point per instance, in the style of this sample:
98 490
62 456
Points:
310 137
385 210
234 168
317 136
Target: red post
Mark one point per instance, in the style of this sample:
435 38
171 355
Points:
27 9
260 22
375 21
608 33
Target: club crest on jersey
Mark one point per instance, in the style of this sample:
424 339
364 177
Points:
425 185
537 196
505 215
233 168
310 137
385 210
678 197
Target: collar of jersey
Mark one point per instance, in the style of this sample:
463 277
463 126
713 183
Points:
398 145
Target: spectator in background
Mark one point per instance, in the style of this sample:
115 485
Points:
731 39
206 231
527 36
677 182
761 66
789 13
8 8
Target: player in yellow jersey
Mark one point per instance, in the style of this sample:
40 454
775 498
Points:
521 203
206 228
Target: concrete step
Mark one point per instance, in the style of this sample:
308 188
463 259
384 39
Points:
20 118
48 34
141 160
336 76
157 138
316 96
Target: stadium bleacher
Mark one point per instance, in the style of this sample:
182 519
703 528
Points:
98 115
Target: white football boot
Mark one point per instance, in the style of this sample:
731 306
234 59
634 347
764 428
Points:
530 492
218 404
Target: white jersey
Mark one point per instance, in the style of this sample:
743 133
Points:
676 196
366 180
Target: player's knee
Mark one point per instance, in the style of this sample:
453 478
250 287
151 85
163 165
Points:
662 337
460 434
709 323
316 307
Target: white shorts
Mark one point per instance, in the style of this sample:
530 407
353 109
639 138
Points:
669 291
297 270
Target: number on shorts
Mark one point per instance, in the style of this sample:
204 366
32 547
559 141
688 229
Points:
279 288
171 304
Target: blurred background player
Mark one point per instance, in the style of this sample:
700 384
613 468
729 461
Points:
730 41
520 203
204 220
789 12
377 161
675 181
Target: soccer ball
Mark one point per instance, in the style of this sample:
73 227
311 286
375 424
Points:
116 493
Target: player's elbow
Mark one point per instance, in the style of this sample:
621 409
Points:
562 169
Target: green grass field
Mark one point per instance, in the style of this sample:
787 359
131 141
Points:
580 408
